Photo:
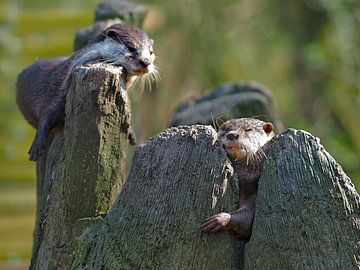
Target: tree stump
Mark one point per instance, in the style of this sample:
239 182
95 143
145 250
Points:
83 169
307 211
178 179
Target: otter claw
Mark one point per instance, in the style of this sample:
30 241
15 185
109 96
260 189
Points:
215 223
34 154
35 151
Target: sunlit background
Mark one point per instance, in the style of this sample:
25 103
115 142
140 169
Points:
307 52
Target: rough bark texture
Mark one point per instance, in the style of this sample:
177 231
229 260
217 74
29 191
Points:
228 101
178 179
83 169
307 212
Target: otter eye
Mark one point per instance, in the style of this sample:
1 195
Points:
111 34
248 129
131 49
151 52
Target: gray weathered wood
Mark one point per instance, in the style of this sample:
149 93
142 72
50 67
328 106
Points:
83 169
307 212
178 179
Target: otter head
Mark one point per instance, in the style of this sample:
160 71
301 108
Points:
129 47
243 138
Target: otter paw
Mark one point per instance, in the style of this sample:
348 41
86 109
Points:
35 151
215 223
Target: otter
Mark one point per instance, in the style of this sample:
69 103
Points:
244 141
42 87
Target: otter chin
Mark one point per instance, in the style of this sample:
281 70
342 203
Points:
244 141
235 153
43 86
243 138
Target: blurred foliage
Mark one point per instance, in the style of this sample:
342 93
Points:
307 52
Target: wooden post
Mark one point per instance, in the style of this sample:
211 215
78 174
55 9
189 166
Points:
83 170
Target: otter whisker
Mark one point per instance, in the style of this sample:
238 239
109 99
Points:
215 125
52 84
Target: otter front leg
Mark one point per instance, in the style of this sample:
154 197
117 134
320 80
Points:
39 141
53 116
240 222
216 223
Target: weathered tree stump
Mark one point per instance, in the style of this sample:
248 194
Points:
83 170
178 179
307 211
307 214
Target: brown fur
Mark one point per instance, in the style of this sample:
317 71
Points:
243 140
42 87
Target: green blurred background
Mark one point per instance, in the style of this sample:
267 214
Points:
307 52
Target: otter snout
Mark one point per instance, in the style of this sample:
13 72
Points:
232 136
145 62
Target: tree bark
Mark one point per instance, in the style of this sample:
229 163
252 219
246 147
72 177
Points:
82 172
307 212
178 179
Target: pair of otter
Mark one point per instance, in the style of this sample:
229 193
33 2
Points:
42 87
41 96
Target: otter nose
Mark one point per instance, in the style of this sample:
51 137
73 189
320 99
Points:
145 62
232 136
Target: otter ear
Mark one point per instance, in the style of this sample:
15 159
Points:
111 33
268 127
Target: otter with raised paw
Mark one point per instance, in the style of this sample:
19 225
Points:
42 87
243 140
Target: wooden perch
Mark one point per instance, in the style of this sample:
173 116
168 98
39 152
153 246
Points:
82 173
178 179
307 212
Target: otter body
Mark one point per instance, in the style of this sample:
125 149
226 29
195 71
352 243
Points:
243 140
42 87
